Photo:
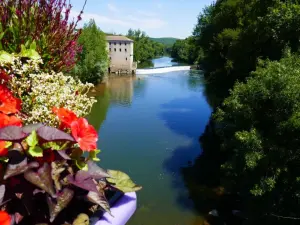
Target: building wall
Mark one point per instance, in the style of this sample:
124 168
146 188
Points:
120 55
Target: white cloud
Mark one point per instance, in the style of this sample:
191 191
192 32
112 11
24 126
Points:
127 22
99 19
147 23
112 8
145 13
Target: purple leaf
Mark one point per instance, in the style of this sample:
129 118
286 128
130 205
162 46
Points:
99 197
57 167
23 166
53 134
12 133
95 171
82 181
41 179
63 154
2 192
31 127
63 199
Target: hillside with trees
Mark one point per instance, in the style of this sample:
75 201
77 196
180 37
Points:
144 48
167 41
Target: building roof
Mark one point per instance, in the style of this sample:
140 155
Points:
117 38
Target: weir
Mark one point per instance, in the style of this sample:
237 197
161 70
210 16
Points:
162 70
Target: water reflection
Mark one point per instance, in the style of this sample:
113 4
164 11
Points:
151 132
121 90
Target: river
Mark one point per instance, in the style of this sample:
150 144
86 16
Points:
149 127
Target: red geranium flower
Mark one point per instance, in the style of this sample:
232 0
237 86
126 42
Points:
8 103
6 120
65 116
3 150
4 218
85 134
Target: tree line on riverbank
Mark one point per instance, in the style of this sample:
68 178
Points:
249 52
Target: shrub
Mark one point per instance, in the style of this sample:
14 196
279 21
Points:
40 91
46 169
259 128
93 60
46 23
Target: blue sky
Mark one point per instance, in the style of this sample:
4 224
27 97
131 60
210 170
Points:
158 18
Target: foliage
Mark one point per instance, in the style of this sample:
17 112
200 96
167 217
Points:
168 42
259 130
41 91
234 35
48 160
47 23
185 51
144 48
93 60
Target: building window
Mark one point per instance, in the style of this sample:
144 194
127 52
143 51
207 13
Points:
120 49
125 49
115 43
120 43
125 44
110 49
109 43
109 58
115 49
126 58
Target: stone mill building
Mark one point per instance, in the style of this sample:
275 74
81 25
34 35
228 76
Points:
120 51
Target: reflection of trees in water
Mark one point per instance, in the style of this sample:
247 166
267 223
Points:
100 108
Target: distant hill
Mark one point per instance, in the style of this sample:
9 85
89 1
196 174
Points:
168 41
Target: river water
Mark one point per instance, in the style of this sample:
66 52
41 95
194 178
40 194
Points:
149 127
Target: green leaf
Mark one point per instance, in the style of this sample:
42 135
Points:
8 144
52 145
32 139
81 164
76 155
36 151
81 219
4 159
93 155
33 45
122 181
6 57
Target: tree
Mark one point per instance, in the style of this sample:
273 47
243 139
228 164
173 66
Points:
93 60
234 34
259 127
186 51
144 48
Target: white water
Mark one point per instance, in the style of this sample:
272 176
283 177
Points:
162 70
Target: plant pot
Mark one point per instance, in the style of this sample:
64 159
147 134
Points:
122 211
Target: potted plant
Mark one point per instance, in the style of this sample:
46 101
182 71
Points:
48 151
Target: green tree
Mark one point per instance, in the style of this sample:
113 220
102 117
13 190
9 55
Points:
144 48
259 127
93 60
186 51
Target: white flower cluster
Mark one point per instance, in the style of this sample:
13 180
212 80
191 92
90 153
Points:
40 92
